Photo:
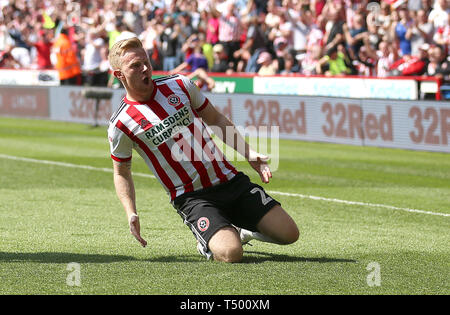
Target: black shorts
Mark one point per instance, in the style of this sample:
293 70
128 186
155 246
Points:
237 202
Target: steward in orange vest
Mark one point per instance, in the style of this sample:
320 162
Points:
67 62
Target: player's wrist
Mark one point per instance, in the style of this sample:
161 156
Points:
131 216
252 155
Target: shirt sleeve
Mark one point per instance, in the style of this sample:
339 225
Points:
198 100
121 145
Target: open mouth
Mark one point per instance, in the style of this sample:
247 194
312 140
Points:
146 81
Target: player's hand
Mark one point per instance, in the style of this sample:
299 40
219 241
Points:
259 163
135 229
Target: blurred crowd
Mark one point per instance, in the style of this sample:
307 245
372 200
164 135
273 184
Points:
265 37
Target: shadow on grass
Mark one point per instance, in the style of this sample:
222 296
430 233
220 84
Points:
60 258
57 257
251 257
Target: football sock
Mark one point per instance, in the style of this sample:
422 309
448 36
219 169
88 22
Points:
247 236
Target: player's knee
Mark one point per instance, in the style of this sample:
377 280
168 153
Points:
291 235
230 254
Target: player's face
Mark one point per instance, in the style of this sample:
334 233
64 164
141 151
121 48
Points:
136 71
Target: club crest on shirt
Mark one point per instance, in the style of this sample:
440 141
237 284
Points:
144 123
203 224
174 100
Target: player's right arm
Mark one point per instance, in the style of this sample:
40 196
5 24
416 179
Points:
121 151
123 182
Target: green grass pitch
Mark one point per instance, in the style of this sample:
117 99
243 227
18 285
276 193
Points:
53 215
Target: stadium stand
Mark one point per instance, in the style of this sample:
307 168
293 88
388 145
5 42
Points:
301 37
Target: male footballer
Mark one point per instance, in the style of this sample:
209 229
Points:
165 120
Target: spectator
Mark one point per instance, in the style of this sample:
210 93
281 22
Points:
249 28
171 9
373 35
403 31
391 35
284 30
150 38
385 59
5 39
439 65
427 6
290 65
394 48
334 63
221 63
43 47
423 55
22 55
310 60
229 29
194 14
132 17
365 64
267 66
7 61
354 36
422 32
261 6
122 31
188 46
301 27
280 46
414 5
212 31
350 9
442 36
316 7
255 39
67 62
92 60
382 18
169 43
272 19
195 60
207 49
439 15
316 35
334 34
408 65
17 30
185 30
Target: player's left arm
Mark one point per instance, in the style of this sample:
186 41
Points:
232 137
229 134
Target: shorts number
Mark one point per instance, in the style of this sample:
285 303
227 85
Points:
264 199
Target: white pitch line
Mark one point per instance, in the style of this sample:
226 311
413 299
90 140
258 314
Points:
63 164
357 203
347 202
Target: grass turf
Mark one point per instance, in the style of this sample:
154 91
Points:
52 215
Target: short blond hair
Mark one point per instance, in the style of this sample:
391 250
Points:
119 48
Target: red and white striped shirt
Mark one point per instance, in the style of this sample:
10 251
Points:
229 28
169 135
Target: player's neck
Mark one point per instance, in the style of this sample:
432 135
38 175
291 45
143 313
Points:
140 97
